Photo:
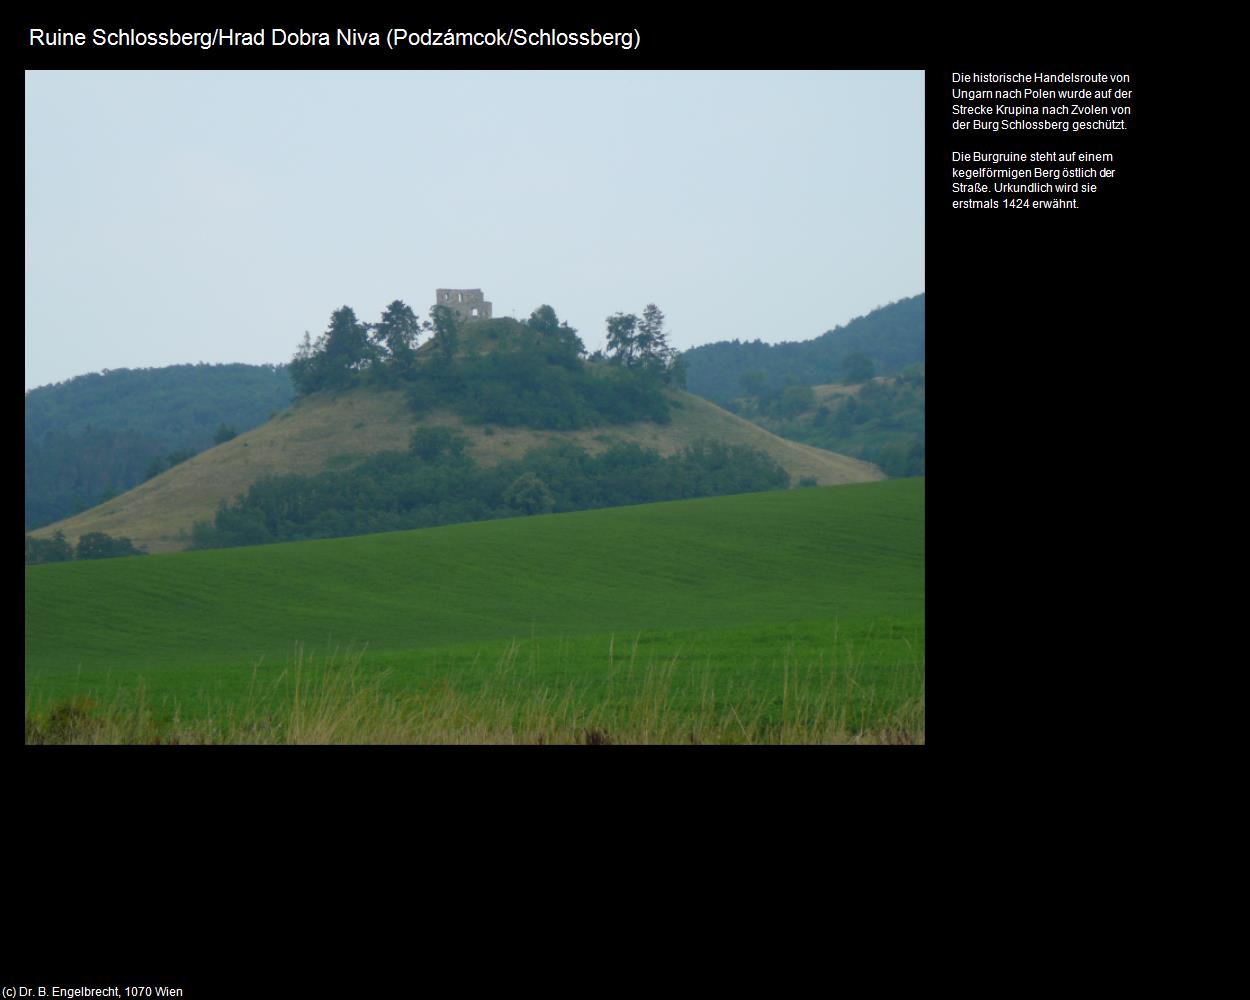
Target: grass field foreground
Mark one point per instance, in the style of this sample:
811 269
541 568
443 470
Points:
791 616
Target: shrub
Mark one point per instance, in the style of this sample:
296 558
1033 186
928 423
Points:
98 545
530 495
433 443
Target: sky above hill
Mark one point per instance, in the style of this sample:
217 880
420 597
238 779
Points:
176 217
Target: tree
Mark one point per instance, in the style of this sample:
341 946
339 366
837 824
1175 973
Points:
446 334
753 383
337 356
46 550
676 374
347 348
395 337
652 341
305 367
559 337
224 433
794 400
431 443
858 367
530 495
60 549
643 344
98 545
622 338
544 320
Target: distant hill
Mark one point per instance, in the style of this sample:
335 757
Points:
881 420
892 337
329 430
98 435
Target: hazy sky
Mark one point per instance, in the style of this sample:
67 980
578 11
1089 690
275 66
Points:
215 216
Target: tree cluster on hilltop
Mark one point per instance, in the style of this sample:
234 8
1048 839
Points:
534 373
642 344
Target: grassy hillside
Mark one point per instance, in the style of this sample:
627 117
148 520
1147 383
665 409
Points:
327 429
725 594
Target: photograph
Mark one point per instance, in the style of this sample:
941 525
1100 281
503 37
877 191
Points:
474 406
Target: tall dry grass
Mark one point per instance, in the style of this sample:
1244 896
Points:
338 701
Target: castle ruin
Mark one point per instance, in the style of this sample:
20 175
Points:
466 303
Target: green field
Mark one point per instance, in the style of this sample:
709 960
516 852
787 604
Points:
643 623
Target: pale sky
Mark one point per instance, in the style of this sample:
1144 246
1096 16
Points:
176 217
